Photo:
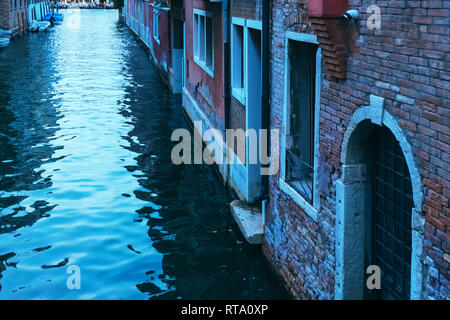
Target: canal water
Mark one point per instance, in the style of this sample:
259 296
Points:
86 178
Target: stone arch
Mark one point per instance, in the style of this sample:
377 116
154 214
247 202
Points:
352 208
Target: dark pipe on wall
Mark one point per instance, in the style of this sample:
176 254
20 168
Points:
226 58
265 102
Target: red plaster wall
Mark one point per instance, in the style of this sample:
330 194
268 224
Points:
161 50
196 75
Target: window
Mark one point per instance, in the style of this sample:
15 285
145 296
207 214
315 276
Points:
237 60
156 24
300 151
203 40
299 143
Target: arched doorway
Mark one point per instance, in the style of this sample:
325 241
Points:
379 217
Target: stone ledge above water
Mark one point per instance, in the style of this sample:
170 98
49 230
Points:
249 220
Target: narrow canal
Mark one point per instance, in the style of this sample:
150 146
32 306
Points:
86 178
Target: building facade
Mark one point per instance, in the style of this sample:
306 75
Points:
38 9
245 106
14 15
223 48
372 187
362 105
203 90
160 26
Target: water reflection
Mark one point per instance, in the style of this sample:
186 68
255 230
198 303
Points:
28 124
86 179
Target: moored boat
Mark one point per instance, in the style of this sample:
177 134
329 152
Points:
5 33
43 25
4 37
4 42
57 17
34 26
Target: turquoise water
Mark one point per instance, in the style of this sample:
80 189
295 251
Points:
86 178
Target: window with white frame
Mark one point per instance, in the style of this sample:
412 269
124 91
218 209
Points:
300 151
203 40
237 60
299 144
156 24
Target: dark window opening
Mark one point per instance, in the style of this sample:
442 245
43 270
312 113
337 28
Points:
300 146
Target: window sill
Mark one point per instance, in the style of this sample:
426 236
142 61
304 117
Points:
204 67
298 199
239 94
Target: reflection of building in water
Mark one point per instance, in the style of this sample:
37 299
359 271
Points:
28 123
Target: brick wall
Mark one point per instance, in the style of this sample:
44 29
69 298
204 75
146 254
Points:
4 14
407 62
247 9
18 15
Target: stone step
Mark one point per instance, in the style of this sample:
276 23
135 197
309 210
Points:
249 220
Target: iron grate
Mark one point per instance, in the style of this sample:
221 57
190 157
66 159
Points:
391 216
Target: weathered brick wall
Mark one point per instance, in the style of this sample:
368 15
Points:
4 14
407 62
300 249
247 9
18 16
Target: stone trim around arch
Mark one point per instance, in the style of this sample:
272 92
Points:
351 208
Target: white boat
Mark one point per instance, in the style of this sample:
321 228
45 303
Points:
43 25
34 26
4 42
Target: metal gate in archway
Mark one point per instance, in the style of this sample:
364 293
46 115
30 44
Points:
392 205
